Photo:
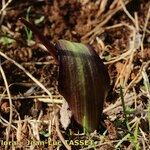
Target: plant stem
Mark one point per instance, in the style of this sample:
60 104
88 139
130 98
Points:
124 108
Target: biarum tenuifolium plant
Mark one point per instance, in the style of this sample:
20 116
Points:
83 79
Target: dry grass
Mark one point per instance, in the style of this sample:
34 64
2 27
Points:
134 134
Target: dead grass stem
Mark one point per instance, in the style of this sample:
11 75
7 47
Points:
10 106
27 73
3 9
60 135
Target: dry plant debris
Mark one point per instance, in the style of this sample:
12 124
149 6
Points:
29 100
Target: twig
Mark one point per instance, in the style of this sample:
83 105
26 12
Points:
102 7
47 100
124 108
41 98
28 74
105 19
10 103
100 145
117 104
35 130
118 58
5 5
18 133
2 11
126 11
60 135
138 77
120 76
5 122
144 31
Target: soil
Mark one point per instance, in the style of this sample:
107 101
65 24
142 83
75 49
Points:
79 21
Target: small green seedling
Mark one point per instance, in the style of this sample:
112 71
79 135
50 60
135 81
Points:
39 20
27 31
83 79
5 40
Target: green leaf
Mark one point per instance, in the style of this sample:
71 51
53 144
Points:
44 133
129 110
39 20
6 40
83 81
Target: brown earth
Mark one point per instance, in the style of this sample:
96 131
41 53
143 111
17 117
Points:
108 29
